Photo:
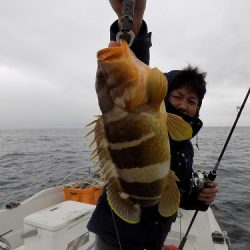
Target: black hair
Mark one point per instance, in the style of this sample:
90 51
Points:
190 77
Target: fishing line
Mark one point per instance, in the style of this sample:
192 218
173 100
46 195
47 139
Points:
203 179
128 11
231 132
116 230
180 224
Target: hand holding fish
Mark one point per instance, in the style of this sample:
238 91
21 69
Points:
140 7
208 194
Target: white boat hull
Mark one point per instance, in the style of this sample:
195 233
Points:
200 237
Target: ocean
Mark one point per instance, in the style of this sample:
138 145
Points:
31 160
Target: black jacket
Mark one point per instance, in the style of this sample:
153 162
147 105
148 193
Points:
152 229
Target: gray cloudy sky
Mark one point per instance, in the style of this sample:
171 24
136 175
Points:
48 56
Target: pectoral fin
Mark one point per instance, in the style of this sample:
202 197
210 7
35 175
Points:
156 86
170 198
179 130
121 204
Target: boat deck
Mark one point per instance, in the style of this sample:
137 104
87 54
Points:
200 237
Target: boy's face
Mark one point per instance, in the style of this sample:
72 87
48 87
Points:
184 100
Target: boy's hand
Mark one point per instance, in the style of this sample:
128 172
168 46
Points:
208 194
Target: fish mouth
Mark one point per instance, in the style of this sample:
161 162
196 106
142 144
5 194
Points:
114 44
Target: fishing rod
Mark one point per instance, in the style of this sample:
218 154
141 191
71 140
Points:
128 11
201 179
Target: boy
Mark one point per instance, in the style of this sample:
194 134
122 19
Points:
186 90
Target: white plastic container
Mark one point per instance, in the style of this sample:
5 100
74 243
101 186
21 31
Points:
60 227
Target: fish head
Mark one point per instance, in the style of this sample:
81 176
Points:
126 82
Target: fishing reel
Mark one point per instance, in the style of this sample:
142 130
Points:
201 179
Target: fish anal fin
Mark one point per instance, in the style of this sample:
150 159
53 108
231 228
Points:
170 199
121 204
179 130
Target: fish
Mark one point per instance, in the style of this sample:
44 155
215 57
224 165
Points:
132 134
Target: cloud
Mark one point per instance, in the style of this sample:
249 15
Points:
48 56
214 36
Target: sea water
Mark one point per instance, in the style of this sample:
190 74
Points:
31 160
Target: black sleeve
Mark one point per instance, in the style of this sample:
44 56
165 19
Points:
182 154
141 44
190 202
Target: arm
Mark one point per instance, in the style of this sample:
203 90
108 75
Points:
139 12
191 198
142 41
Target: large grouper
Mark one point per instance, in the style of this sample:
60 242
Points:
132 134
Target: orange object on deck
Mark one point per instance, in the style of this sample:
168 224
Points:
88 195
170 247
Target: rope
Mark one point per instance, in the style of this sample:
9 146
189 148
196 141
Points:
66 177
99 182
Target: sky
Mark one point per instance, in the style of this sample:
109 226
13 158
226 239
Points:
48 56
